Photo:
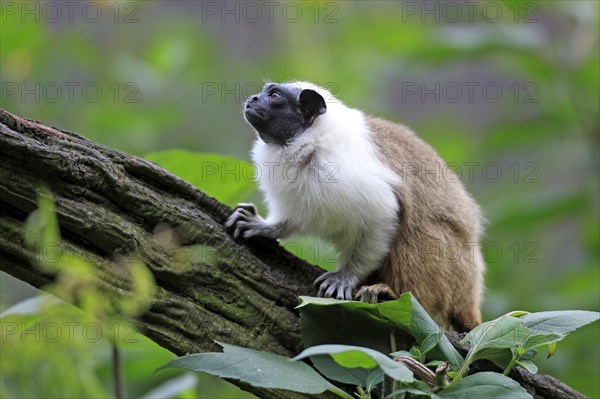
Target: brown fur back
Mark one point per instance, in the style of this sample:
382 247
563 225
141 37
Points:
436 254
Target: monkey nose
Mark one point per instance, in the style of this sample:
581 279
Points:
251 99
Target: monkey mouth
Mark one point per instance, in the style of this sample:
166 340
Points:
254 115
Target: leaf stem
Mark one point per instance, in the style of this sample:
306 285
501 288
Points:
117 374
394 348
463 369
511 364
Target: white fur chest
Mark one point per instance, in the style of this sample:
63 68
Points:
329 180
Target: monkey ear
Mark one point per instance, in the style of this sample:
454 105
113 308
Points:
312 104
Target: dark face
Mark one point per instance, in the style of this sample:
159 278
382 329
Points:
281 112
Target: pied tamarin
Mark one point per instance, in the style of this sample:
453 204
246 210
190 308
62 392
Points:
400 219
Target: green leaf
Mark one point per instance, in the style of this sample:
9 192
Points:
503 332
43 224
353 356
416 389
529 366
535 341
311 300
434 363
547 328
560 322
517 313
225 178
491 339
375 377
422 325
484 385
431 341
519 351
333 371
259 369
32 306
500 356
41 338
400 313
42 233
529 354
415 352
174 387
413 391
326 320
551 350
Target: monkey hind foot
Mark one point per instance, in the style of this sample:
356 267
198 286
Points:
375 293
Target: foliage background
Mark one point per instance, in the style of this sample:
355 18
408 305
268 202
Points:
173 74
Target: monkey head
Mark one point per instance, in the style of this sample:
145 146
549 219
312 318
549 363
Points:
280 112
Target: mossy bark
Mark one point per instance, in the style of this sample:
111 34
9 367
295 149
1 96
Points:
110 205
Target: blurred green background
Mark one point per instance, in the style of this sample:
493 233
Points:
508 92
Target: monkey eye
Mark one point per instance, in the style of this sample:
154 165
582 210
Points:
274 95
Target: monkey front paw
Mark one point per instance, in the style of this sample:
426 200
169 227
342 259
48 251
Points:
336 284
245 223
375 293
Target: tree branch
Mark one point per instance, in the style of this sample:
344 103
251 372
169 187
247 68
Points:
109 205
